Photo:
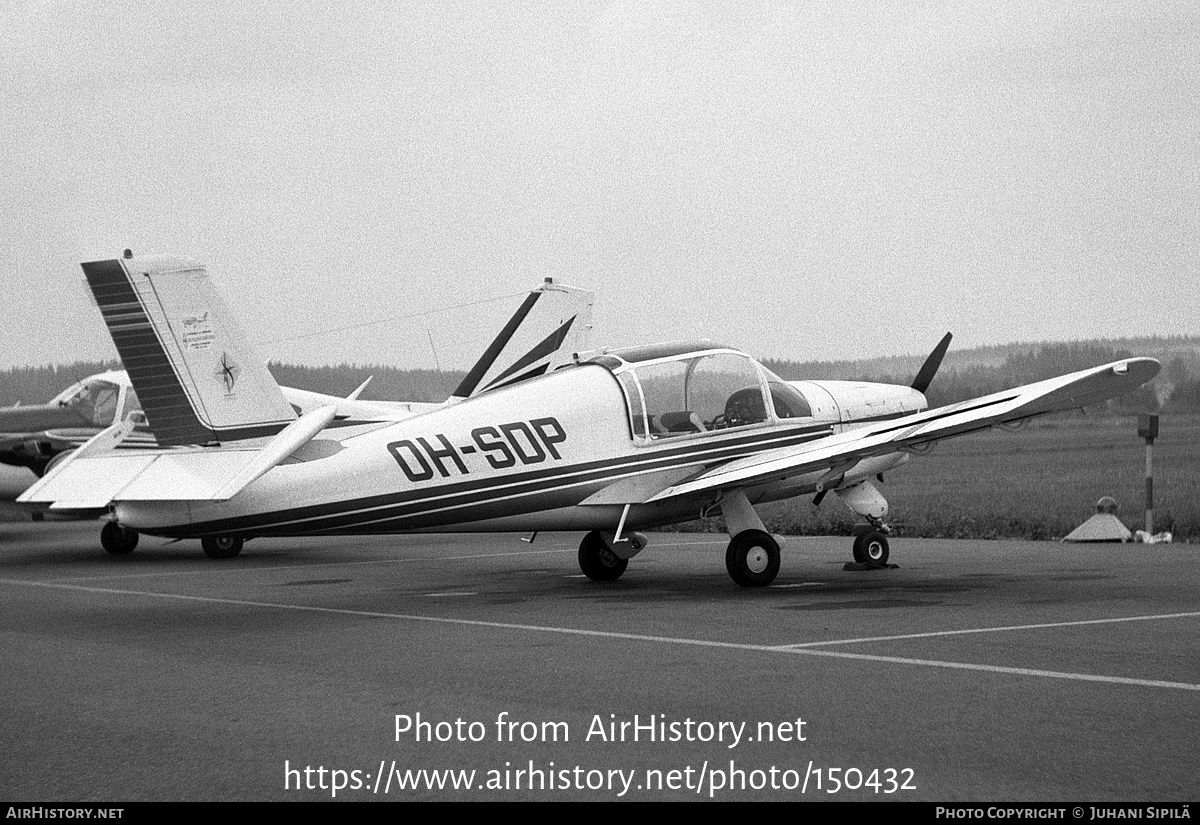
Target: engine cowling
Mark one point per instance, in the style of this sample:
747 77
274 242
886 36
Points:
861 402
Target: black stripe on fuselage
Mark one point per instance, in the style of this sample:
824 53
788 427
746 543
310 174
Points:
338 516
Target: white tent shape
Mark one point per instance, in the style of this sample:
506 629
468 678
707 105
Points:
1104 526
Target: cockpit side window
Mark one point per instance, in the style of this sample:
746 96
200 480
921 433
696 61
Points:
788 401
663 388
725 391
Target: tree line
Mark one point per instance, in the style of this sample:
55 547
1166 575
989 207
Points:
1176 390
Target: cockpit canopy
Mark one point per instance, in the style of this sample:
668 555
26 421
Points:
98 398
681 388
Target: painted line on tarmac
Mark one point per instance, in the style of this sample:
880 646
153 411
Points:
635 637
218 568
1003 629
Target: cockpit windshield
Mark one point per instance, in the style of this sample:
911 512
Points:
94 399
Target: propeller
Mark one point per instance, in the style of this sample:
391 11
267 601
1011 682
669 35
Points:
920 384
930 367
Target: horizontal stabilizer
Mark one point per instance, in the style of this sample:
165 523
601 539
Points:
293 437
95 482
197 474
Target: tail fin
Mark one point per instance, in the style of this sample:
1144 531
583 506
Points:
196 377
549 327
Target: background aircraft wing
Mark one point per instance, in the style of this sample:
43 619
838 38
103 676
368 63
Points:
840 452
551 325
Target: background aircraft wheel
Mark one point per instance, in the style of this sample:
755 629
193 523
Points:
222 547
871 548
597 560
118 540
752 558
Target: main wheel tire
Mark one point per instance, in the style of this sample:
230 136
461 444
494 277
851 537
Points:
597 560
752 558
222 547
118 540
871 548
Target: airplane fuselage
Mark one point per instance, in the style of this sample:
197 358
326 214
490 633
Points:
553 453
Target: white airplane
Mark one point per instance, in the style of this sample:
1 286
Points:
613 442
551 324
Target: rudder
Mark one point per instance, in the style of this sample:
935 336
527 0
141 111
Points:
197 379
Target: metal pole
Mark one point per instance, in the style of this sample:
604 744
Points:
1148 429
1150 486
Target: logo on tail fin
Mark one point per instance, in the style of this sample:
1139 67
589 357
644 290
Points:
198 332
228 373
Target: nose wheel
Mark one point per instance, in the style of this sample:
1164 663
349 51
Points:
871 548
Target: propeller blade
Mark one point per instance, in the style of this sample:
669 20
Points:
930 367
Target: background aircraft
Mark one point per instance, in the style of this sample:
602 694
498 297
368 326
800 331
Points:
612 442
551 324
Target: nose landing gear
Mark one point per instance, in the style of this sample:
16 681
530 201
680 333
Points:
871 547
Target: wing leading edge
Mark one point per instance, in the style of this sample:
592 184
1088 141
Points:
1066 392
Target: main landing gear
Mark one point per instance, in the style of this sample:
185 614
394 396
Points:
118 540
603 560
752 557
222 547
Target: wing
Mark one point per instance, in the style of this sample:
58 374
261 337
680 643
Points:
550 326
842 451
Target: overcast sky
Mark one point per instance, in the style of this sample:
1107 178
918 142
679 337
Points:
801 179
